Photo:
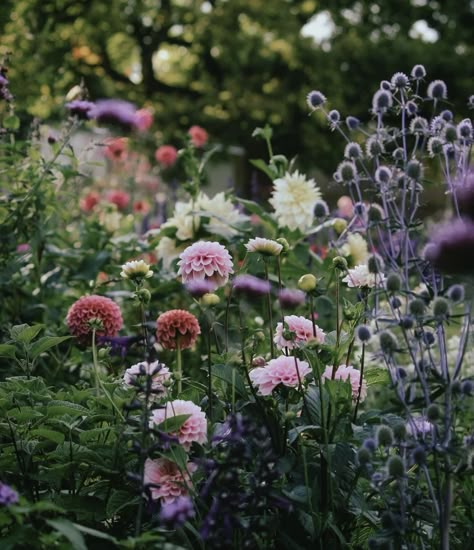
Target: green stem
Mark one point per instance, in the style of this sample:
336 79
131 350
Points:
209 366
270 315
179 366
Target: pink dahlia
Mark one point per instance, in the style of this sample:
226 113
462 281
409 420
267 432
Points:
157 371
116 149
283 370
93 307
90 201
174 324
143 119
195 427
297 332
198 136
166 480
119 198
351 375
205 260
166 155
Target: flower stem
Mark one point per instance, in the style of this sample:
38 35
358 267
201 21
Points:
270 316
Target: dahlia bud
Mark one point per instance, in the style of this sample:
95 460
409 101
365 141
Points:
307 282
210 299
143 296
103 353
284 243
339 225
339 263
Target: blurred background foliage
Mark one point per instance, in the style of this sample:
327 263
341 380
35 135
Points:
232 65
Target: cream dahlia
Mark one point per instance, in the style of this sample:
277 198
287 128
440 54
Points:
136 270
267 247
293 199
360 276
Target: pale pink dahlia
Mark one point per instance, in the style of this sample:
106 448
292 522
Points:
166 480
298 332
159 373
174 324
282 370
119 198
93 307
205 260
195 427
166 155
198 136
351 375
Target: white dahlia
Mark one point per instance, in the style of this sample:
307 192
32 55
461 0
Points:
294 198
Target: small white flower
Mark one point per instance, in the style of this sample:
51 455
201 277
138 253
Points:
294 198
267 247
356 247
136 269
167 251
360 276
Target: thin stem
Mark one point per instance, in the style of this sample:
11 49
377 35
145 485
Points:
179 366
270 315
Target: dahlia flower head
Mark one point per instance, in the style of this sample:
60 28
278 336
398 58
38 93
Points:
170 482
294 198
297 332
267 247
360 276
116 149
198 136
136 269
351 375
282 370
205 260
159 373
90 201
143 119
167 251
193 430
92 307
356 247
119 198
166 155
177 324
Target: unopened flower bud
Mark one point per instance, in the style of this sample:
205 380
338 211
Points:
440 308
363 455
432 412
384 436
103 353
143 296
393 283
307 282
258 361
210 299
395 466
339 225
399 431
284 243
339 263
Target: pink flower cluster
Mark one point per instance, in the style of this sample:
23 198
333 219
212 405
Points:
158 372
174 324
93 307
282 370
351 375
195 427
298 332
205 260
166 480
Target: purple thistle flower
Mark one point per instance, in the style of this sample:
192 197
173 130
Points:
253 286
176 513
382 101
116 112
437 90
8 495
291 298
80 108
418 72
452 247
352 123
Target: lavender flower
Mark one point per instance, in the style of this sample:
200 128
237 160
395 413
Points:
119 344
197 288
8 495
452 247
116 112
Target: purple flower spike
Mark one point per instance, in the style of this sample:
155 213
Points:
8 495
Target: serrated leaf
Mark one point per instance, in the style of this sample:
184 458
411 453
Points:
7 350
224 372
117 501
70 531
25 333
375 376
51 435
56 408
173 423
45 343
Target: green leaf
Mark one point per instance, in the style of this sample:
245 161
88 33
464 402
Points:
376 376
45 343
7 350
70 531
52 435
224 372
94 533
177 455
57 408
11 122
25 333
261 165
117 501
173 423
300 493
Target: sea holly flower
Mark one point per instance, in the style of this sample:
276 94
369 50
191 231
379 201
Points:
205 260
266 247
136 270
177 324
94 308
294 198
286 370
166 480
194 429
